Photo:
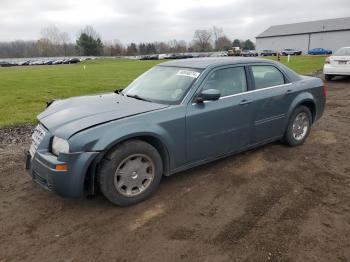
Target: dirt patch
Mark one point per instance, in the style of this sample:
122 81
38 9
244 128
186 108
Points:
323 137
146 217
15 135
183 234
256 208
274 203
253 165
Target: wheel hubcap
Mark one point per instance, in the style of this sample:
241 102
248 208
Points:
300 126
134 175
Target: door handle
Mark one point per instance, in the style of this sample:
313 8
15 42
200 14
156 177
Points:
245 102
289 91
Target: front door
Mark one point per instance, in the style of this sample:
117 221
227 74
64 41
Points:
215 128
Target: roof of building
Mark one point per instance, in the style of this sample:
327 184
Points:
202 63
337 24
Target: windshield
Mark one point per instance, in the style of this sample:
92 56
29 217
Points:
343 51
162 84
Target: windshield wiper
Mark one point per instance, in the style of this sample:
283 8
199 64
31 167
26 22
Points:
138 97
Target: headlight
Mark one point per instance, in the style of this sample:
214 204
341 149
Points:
59 145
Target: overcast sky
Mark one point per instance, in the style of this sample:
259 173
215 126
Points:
159 20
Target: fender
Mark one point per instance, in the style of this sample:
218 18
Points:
104 137
299 99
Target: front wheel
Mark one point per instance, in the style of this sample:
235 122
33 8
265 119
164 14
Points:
299 126
130 173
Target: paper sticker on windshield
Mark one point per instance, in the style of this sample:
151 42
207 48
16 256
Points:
189 73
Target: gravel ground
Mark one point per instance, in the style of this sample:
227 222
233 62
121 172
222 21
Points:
273 203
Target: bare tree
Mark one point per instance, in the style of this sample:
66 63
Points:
18 49
223 43
176 46
202 40
64 41
113 48
56 42
52 34
161 47
45 47
181 46
41 47
217 32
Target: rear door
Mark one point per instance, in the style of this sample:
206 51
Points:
215 128
273 95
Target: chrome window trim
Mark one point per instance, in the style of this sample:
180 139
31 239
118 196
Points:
248 92
255 90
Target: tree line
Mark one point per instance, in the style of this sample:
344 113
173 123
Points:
54 42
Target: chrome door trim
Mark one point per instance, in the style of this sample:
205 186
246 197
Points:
248 92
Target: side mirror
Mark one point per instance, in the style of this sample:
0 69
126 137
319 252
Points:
208 95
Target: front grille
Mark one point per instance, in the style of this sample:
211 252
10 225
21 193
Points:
37 137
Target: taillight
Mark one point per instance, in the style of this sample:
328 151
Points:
324 90
328 61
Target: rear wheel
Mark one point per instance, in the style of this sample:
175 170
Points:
299 126
328 77
130 173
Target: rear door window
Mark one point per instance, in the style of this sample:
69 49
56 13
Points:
267 76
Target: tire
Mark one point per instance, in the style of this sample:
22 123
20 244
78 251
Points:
129 158
328 77
290 135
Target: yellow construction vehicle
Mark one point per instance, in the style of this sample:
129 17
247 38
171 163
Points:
235 51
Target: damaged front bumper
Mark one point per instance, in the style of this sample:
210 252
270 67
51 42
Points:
42 167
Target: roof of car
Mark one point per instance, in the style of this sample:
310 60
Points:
202 63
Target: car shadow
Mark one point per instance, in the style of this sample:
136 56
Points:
340 79
336 79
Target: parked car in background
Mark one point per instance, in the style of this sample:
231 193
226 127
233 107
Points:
177 115
58 62
24 63
149 57
5 64
218 54
36 62
74 60
248 53
319 51
337 64
289 51
222 54
178 56
268 53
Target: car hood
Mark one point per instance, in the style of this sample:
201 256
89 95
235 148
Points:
66 117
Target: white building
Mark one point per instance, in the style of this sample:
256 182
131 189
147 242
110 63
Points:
329 34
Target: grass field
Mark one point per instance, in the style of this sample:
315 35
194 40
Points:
25 90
